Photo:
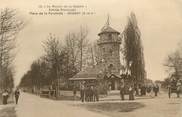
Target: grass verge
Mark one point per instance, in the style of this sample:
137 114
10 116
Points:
8 112
113 109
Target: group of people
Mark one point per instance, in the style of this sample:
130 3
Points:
89 93
130 92
6 94
152 90
149 90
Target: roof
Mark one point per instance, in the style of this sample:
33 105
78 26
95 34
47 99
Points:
90 78
113 76
108 29
88 73
92 73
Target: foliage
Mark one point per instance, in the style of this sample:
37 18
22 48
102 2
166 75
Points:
173 63
59 62
133 50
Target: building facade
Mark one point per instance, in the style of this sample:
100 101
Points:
109 49
109 46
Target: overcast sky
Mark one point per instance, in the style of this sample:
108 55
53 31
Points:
160 22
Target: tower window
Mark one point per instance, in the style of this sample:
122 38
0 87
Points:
111 52
110 36
103 49
111 66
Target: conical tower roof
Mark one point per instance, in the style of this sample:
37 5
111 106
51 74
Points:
107 28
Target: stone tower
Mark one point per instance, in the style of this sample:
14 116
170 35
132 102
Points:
109 45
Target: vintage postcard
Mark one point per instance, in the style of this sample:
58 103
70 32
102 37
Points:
77 58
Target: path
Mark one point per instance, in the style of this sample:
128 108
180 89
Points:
34 106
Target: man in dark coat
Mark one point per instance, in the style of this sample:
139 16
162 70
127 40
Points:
74 93
91 93
143 90
136 89
131 93
17 94
87 93
96 93
155 89
122 90
82 92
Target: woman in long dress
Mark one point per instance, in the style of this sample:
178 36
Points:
5 97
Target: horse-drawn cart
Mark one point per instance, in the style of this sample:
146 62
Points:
174 87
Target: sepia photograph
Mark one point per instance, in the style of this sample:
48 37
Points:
91 58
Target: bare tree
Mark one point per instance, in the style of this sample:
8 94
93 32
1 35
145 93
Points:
92 54
76 44
60 62
82 43
57 59
52 48
10 25
72 47
96 53
173 64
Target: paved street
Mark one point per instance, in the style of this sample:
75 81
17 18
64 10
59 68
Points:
34 106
